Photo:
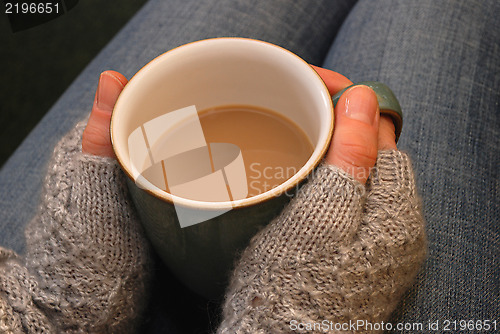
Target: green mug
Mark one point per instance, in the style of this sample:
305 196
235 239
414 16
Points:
199 240
387 101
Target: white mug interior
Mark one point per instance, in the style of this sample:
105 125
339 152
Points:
226 71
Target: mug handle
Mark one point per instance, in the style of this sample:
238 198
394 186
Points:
387 101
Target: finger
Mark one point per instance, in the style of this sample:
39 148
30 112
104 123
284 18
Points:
386 134
334 81
96 138
355 138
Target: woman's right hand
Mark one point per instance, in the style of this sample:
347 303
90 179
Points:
96 139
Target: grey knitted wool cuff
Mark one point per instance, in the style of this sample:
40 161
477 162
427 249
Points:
96 276
327 208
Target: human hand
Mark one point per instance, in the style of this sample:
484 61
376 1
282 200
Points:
359 131
335 246
96 139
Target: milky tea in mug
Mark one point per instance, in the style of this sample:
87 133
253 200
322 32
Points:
273 147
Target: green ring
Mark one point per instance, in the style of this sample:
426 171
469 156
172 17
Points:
387 102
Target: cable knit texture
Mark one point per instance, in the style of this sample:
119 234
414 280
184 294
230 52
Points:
87 262
340 252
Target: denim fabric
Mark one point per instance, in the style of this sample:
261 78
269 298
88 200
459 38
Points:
440 57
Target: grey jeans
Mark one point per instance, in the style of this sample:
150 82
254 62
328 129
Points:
441 58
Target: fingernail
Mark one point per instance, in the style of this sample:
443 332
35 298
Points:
361 104
108 90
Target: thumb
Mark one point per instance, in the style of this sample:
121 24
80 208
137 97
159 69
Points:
96 137
354 142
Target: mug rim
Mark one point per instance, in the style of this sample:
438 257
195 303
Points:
277 191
